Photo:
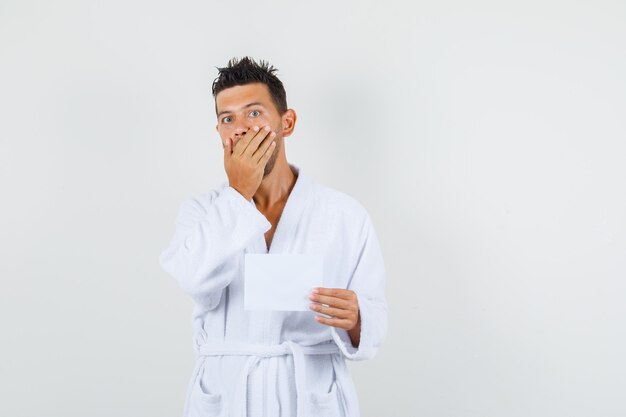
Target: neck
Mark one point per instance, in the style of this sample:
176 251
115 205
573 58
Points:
276 186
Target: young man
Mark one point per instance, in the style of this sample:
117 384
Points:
273 363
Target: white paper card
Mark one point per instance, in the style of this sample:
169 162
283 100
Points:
281 282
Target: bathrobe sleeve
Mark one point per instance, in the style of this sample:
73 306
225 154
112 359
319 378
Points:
210 233
368 282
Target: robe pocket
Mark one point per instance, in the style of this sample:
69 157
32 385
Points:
326 404
205 403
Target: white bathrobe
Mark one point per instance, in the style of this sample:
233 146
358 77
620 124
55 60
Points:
275 363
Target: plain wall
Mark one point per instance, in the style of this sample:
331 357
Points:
486 139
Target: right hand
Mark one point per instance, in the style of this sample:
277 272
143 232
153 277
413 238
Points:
245 160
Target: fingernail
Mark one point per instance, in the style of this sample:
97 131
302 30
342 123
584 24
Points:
256 128
316 291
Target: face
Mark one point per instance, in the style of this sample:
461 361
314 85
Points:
242 107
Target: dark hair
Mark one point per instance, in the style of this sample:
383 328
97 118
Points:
246 71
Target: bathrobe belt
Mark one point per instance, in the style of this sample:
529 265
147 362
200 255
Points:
256 352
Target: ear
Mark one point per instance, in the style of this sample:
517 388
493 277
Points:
288 122
216 129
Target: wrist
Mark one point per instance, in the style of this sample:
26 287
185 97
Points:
243 193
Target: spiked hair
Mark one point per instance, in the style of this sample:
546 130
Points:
246 71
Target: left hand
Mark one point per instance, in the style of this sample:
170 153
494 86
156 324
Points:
343 307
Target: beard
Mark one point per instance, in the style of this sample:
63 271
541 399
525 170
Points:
272 161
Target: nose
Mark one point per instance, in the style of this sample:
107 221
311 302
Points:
240 130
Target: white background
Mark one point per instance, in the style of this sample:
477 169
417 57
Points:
486 140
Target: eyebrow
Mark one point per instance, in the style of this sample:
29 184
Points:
244 107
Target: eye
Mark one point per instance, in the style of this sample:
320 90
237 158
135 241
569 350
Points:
255 111
226 119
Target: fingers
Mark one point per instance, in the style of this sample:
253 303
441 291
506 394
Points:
332 301
333 312
264 147
335 297
340 304
251 140
336 292
240 146
228 147
268 153
340 323
257 140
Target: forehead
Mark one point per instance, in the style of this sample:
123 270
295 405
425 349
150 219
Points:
233 98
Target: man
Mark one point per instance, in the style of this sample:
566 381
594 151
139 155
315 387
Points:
273 363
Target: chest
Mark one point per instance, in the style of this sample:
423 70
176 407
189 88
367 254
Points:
272 214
